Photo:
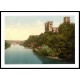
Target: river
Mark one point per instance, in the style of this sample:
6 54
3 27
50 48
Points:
17 54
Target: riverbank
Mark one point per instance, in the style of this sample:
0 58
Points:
51 57
7 45
47 52
17 54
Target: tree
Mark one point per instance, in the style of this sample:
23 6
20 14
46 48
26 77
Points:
60 44
68 32
7 45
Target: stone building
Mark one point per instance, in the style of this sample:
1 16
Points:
55 29
67 19
49 27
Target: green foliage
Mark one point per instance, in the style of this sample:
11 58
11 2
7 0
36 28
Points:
45 50
68 49
7 45
60 44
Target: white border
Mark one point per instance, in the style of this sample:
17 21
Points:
76 65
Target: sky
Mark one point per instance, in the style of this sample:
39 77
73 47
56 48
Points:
21 27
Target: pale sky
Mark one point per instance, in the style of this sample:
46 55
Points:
20 27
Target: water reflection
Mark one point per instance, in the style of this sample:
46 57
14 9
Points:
17 54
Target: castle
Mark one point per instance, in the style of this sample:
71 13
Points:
50 28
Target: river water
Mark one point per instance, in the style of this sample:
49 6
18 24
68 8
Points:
17 54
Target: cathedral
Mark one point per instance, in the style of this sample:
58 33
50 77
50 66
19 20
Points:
50 28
